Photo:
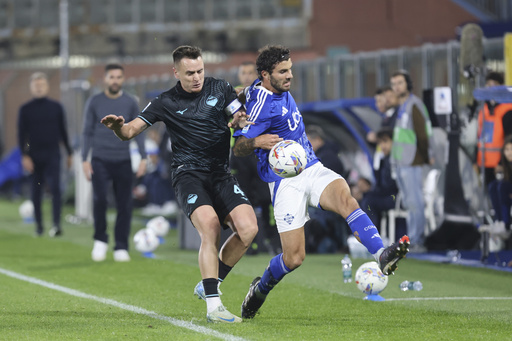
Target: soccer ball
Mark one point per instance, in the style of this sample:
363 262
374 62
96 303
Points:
370 279
26 210
159 225
287 159
145 240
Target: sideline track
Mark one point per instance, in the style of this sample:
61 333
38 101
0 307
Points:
134 309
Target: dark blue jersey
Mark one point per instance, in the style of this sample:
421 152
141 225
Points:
197 125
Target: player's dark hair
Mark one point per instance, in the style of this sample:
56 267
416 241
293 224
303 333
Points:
507 167
385 132
186 51
113 66
269 57
407 77
495 76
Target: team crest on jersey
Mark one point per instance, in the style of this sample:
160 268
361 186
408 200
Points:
192 198
288 218
211 101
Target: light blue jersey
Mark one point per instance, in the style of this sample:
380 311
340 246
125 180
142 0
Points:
274 114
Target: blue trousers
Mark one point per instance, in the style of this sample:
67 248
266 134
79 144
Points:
410 183
499 193
119 174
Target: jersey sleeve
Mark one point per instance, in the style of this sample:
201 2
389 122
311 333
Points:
259 110
232 104
153 112
230 93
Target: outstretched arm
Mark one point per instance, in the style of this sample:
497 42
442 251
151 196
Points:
124 131
245 146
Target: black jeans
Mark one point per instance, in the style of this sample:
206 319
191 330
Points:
119 173
46 168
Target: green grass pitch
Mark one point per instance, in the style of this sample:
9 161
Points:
51 290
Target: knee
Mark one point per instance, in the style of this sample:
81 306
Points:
247 231
348 204
293 261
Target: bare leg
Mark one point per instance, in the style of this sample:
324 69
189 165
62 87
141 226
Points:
242 221
207 224
294 247
337 198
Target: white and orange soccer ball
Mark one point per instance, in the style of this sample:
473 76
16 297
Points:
370 279
287 158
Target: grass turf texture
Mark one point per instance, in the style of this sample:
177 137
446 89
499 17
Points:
311 303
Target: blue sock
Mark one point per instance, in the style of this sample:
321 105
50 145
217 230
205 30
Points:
365 231
273 274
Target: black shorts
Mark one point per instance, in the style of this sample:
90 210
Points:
219 190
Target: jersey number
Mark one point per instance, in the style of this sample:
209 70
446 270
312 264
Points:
239 191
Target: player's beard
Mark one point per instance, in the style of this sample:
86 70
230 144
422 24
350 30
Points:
276 85
114 89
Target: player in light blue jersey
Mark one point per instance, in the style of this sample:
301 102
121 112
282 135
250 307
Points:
276 117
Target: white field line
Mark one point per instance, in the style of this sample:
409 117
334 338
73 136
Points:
134 309
447 298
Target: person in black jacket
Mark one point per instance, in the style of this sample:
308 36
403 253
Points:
382 196
41 128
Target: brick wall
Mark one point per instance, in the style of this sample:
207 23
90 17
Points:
367 25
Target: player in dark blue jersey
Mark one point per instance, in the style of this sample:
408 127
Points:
196 113
275 115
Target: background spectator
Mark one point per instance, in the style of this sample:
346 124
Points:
246 171
500 193
325 231
382 196
41 127
110 163
412 150
494 123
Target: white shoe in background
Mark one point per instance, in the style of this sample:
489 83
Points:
99 251
121 256
498 229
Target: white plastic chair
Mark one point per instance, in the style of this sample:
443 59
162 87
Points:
430 193
388 219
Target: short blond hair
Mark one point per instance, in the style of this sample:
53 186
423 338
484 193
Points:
38 75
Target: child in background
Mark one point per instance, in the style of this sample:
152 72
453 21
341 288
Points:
382 196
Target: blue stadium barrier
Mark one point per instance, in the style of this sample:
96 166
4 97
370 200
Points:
342 111
10 166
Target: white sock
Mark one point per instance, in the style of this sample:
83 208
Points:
377 254
212 303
